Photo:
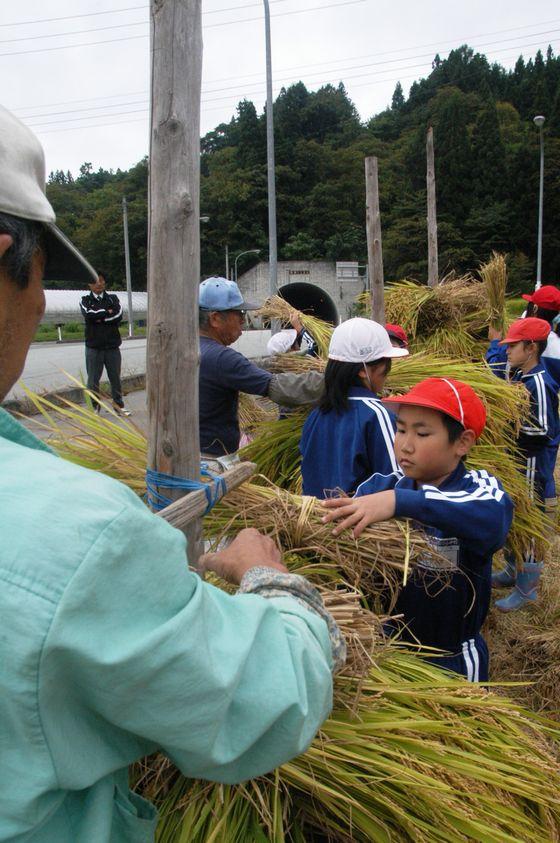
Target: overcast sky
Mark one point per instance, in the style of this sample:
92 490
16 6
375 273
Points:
79 73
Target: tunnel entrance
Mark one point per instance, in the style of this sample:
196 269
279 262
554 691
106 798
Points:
310 299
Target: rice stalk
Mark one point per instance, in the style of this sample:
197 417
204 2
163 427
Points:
494 278
373 564
276 307
423 756
525 645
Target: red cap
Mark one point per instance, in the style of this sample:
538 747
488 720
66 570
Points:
530 329
398 333
547 297
454 398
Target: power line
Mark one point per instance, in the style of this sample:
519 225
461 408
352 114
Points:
248 94
393 70
313 64
128 9
208 26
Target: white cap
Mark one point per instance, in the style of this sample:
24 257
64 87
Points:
22 194
362 341
281 342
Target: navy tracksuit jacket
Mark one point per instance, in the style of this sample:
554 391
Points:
466 519
340 450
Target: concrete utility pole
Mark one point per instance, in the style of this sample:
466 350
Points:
227 261
272 245
539 122
375 251
433 268
127 270
174 244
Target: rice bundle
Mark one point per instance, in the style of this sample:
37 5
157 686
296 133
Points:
114 446
252 412
375 563
420 756
448 319
276 307
494 278
525 645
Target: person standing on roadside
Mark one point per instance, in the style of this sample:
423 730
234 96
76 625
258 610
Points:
102 312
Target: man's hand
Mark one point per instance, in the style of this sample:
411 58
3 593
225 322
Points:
494 334
249 549
359 512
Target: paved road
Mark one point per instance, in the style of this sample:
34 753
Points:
47 361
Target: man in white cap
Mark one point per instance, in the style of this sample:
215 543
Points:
111 648
224 372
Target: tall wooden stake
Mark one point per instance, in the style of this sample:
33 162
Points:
174 243
375 251
433 269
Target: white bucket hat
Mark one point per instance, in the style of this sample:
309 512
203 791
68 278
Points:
22 194
362 341
281 342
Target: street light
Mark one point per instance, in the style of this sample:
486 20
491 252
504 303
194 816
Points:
247 252
272 242
539 121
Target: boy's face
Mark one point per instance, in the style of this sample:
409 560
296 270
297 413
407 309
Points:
422 445
518 353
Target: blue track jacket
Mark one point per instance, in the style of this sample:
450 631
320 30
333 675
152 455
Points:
497 359
467 519
340 450
540 436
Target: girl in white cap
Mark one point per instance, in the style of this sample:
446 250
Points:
350 435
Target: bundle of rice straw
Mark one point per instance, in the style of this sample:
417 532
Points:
525 645
376 564
410 753
252 412
449 319
276 307
494 278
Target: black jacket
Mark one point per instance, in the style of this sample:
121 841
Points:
103 317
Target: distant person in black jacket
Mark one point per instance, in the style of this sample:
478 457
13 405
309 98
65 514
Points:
102 312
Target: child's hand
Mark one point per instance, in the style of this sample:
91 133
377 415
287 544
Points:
494 334
359 512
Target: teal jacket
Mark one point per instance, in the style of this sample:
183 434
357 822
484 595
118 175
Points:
110 649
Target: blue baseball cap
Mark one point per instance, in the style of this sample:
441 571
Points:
220 294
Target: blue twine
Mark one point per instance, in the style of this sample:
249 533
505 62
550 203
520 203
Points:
156 480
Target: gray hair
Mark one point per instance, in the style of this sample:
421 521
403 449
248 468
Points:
28 237
203 318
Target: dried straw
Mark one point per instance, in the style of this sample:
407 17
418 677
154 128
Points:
494 278
525 645
424 756
374 564
276 307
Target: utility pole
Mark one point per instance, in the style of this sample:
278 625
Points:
375 251
174 245
539 122
272 245
127 270
433 269
227 261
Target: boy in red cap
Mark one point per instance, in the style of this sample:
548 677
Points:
465 514
538 441
544 303
397 335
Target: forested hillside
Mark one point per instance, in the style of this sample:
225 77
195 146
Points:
487 170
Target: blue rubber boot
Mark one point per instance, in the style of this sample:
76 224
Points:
525 590
505 578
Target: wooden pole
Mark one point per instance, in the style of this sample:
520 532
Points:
375 251
174 244
433 269
183 512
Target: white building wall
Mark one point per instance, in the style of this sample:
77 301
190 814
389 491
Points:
341 281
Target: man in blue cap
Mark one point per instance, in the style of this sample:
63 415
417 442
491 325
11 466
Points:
224 373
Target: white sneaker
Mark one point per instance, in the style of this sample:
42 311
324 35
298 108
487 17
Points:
121 411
